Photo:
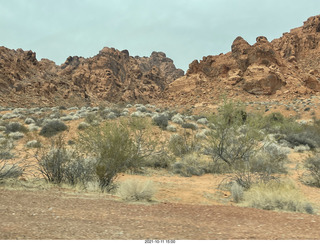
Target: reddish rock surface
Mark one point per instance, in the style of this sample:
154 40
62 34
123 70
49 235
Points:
284 68
112 76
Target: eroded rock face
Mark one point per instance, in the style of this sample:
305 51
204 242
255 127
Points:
286 66
112 75
257 68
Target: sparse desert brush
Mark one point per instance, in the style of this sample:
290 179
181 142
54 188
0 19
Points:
306 137
160 120
52 128
160 160
190 164
33 144
277 123
189 126
235 141
134 190
58 164
182 144
92 118
8 171
312 165
6 145
15 127
280 195
114 149
83 125
236 192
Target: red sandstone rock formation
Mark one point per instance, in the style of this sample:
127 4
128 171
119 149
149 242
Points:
286 66
112 75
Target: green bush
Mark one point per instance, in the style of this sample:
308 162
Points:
114 149
83 126
52 128
234 140
277 123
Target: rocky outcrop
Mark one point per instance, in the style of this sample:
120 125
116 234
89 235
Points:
286 66
112 76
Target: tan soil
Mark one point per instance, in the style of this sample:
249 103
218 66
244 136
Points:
60 215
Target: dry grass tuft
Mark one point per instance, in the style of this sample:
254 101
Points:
277 195
133 190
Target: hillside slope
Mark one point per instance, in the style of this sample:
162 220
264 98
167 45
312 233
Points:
284 68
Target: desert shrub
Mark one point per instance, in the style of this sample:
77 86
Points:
312 166
92 118
229 140
190 164
16 135
306 137
181 145
33 144
236 192
133 190
171 128
189 126
261 167
114 149
161 160
277 123
83 126
234 141
5 148
58 164
178 119
79 170
15 127
276 195
160 120
52 128
8 171
140 130
202 121
29 121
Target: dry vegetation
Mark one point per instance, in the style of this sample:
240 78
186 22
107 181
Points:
122 150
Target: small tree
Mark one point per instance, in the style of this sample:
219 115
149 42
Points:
234 140
230 139
114 150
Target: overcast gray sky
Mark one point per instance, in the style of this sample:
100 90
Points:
184 29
